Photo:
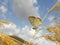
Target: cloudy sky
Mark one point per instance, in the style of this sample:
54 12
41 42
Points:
17 12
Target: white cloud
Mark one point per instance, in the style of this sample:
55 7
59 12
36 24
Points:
37 8
25 33
25 8
51 18
3 9
52 24
58 0
35 1
43 41
9 29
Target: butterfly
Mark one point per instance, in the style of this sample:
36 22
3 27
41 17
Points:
35 21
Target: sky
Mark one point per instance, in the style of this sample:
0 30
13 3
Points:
38 8
17 12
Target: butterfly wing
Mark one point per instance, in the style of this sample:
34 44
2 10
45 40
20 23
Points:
35 21
31 19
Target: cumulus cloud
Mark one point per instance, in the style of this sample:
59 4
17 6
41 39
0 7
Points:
25 8
43 41
58 0
9 29
52 24
25 33
3 11
51 18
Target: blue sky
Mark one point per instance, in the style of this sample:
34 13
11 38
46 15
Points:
43 5
11 10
